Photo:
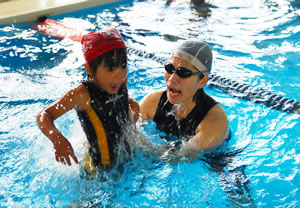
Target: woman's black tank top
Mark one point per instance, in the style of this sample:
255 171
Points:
169 123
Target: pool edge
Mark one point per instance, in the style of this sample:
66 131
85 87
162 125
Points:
19 16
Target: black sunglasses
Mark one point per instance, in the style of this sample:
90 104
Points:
182 72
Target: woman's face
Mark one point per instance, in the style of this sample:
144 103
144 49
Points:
182 90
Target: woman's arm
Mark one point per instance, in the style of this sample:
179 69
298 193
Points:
210 133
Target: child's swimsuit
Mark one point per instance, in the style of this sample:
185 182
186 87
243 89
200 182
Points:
182 127
103 124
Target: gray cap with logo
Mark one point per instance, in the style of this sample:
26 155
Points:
197 53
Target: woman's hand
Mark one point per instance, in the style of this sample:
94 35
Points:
134 109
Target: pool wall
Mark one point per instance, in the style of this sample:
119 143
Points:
29 10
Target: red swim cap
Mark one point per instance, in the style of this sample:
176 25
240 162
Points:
97 43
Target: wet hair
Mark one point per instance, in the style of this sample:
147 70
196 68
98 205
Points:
200 76
113 58
198 93
197 96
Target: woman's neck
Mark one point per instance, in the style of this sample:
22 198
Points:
182 110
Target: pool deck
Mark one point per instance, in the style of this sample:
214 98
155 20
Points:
17 11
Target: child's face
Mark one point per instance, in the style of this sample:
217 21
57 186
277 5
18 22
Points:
110 80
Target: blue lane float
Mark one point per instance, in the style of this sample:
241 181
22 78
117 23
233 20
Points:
237 89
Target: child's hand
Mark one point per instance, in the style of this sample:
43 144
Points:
134 109
64 151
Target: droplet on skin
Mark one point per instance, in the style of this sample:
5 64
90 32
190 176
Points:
42 116
51 132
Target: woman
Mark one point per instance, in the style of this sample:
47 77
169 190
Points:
183 109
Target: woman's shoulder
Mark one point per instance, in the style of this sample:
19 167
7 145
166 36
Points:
152 97
156 94
149 104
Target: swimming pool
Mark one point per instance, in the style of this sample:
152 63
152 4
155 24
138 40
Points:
254 42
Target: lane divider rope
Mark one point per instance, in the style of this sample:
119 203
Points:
56 29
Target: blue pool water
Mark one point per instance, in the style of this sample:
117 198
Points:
254 42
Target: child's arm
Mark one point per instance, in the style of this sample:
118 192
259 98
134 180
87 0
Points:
76 98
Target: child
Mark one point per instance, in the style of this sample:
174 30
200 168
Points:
101 102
